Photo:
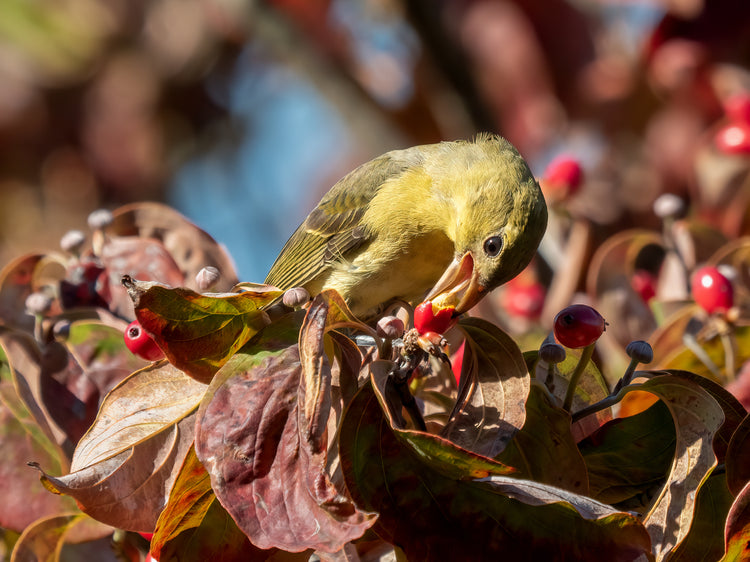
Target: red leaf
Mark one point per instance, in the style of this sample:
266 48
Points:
267 464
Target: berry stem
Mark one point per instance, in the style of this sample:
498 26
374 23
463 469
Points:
730 354
692 344
631 369
588 351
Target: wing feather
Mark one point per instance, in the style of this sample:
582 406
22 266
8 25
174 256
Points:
333 231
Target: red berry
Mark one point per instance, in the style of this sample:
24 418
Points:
426 319
147 536
523 299
563 176
644 283
737 108
733 139
140 343
578 325
712 290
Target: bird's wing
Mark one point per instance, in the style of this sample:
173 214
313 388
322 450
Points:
333 229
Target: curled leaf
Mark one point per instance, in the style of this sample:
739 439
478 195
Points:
494 385
198 333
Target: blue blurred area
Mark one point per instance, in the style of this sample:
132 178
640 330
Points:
251 194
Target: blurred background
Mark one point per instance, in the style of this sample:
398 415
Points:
241 113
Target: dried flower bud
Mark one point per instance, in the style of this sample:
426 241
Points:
38 303
72 241
552 353
640 351
390 327
296 297
669 206
207 278
61 330
100 219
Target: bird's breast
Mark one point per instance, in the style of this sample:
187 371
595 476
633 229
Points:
391 268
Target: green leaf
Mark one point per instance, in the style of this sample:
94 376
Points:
490 407
544 449
705 541
195 527
430 505
199 333
629 457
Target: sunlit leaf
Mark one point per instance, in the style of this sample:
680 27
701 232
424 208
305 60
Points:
705 541
494 385
44 540
544 449
93 360
430 506
50 538
697 418
316 373
199 333
129 490
685 358
149 401
737 529
252 438
194 527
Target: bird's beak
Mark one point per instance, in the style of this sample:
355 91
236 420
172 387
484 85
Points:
459 286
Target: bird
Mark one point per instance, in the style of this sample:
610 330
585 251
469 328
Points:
448 221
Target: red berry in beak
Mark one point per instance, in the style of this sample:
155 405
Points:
426 319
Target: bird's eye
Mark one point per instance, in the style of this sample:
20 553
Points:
493 245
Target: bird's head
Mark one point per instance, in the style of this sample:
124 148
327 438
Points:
498 218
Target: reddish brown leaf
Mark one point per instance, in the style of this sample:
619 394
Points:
263 469
494 386
697 417
194 527
190 247
124 467
141 258
738 457
149 401
737 530
24 499
129 490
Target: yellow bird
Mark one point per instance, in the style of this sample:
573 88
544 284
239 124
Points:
448 221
